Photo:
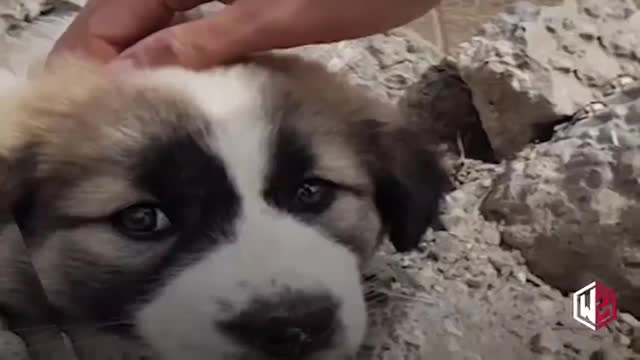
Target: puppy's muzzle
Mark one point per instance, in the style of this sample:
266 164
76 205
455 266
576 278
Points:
295 326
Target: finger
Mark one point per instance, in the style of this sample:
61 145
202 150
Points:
236 30
250 26
102 29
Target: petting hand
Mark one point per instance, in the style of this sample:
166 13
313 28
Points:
139 33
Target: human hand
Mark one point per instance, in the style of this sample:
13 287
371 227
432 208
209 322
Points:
141 33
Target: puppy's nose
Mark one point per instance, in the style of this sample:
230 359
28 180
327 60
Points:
293 327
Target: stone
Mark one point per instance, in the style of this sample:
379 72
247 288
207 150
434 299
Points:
386 64
530 69
23 9
501 261
474 283
629 319
451 328
546 307
606 353
621 339
12 347
635 344
472 357
571 205
446 248
545 342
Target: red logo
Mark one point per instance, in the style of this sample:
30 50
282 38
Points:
595 305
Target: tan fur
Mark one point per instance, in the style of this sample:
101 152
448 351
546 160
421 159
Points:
69 111
26 113
100 196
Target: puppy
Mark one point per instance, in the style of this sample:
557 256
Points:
222 214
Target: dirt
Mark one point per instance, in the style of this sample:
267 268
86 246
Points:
464 296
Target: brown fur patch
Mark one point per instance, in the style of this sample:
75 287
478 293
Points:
71 115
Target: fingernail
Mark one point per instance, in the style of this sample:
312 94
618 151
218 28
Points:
121 66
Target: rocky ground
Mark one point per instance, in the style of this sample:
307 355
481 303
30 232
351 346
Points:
538 119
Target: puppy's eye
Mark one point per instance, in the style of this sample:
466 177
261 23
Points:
141 221
313 196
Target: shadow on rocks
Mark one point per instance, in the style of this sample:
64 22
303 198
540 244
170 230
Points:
442 104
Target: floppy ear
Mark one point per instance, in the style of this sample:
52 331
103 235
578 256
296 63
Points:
23 301
409 183
20 188
17 184
22 298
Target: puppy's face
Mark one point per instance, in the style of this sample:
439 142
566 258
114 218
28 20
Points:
216 215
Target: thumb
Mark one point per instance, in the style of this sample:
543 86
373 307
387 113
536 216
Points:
231 33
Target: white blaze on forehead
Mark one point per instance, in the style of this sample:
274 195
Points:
233 100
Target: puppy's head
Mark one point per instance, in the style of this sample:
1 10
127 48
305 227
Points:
222 214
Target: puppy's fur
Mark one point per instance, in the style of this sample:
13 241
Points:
223 159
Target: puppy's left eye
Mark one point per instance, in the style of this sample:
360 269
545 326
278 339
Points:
313 196
142 221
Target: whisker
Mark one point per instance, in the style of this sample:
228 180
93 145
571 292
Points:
377 295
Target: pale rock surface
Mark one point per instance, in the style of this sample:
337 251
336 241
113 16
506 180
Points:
533 67
464 296
387 64
12 10
572 204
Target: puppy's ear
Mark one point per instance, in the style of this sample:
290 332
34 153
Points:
409 182
17 183
22 298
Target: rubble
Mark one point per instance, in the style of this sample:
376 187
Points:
21 10
635 344
385 64
558 211
532 67
571 204
545 342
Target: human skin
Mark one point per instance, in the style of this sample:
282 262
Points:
143 33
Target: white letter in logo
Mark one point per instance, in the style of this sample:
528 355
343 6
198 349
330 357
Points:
584 306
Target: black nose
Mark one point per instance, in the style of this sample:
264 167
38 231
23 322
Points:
293 327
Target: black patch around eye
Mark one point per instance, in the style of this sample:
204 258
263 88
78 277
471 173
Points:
291 160
192 186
